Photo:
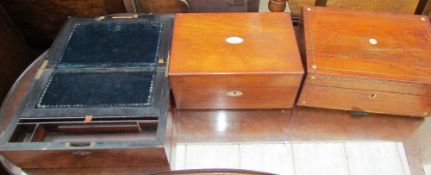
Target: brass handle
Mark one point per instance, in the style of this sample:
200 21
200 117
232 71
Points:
234 93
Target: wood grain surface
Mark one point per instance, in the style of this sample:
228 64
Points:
403 6
199 45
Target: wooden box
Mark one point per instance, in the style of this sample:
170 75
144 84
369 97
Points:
367 61
100 98
234 60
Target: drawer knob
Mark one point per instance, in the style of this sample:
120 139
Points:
372 96
234 93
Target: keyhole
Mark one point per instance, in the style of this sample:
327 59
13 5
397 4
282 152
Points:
234 93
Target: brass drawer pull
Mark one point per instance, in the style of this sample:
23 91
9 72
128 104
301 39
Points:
234 93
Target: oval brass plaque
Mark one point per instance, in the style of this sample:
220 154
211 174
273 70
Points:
234 93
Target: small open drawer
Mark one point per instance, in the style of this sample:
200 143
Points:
80 133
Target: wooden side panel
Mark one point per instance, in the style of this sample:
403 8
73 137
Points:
144 157
403 6
398 6
365 83
161 6
239 80
194 6
252 98
223 5
40 20
367 101
296 5
258 91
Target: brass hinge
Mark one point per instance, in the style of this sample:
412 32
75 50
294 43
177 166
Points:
161 61
167 64
88 119
121 16
127 16
41 69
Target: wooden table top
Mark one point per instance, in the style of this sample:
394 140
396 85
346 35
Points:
291 127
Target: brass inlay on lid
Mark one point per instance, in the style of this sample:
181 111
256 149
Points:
234 40
373 41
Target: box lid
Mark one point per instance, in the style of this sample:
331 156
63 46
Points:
234 43
368 44
112 66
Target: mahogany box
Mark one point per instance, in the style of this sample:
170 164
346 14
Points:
100 98
234 61
367 61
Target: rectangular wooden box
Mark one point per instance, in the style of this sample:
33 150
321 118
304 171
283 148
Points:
367 61
100 98
234 60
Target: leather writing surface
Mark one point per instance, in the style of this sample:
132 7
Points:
111 44
91 89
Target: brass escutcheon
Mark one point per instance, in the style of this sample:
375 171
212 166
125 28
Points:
234 93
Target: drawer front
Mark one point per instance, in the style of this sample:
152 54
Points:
236 98
235 91
89 158
366 101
